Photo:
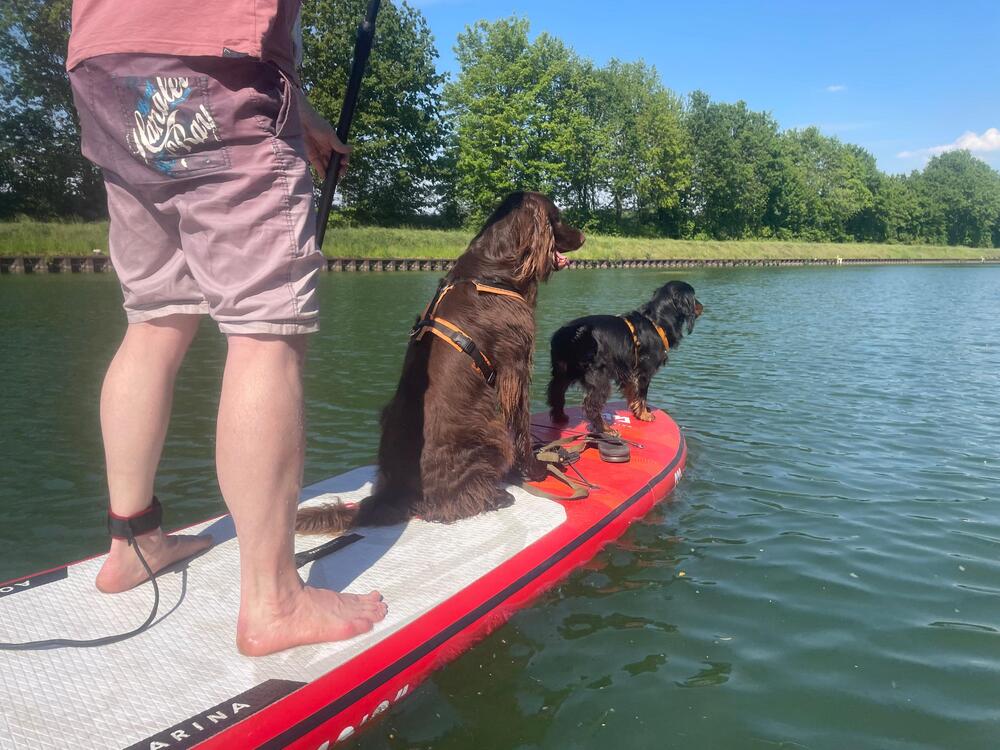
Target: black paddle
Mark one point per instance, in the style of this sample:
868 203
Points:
362 47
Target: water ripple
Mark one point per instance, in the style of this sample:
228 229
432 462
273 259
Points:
824 577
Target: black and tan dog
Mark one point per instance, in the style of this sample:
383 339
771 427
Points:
597 350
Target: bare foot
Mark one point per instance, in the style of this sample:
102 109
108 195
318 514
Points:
309 616
123 571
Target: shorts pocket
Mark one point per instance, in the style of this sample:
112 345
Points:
287 123
169 126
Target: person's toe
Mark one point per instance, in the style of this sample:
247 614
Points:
362 625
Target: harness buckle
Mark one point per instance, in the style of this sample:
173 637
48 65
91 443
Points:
568 457
466 344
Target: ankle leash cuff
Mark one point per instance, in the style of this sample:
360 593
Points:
129 527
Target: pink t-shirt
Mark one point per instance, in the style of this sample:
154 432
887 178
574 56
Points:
217 28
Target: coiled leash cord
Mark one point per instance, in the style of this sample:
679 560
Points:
120 528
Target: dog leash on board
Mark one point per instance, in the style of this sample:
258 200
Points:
560 455
576 433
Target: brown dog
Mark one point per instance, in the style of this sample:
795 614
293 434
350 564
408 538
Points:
449 435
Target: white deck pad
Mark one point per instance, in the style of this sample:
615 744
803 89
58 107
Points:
117 695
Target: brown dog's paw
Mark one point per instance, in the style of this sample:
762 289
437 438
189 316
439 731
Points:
535 471
646 416
502 499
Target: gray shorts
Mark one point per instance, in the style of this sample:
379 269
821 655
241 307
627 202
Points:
209 190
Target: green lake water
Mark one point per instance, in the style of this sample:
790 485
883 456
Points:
838 527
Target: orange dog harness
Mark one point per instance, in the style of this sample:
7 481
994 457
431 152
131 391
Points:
454 336
635 336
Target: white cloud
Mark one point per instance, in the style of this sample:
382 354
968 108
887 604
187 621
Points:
836 87
970 141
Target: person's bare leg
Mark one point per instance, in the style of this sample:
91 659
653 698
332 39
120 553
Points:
260 451
135 411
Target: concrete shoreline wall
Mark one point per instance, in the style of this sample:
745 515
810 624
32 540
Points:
26 264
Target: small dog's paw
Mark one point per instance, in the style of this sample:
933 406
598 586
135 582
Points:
646 416
559 417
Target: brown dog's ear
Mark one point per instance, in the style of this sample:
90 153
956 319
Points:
535 237
517 240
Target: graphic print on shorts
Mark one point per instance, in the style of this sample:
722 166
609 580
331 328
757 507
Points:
170 126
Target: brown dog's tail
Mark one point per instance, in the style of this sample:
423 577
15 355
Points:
334 518
329 518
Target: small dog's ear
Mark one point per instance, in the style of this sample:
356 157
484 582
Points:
692 309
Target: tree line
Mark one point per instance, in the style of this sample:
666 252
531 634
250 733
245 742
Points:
617 149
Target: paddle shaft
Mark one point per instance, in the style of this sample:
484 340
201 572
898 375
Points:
362 48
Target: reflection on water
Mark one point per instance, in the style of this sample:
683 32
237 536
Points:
826 576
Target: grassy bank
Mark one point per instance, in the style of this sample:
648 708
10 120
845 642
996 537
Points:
55 238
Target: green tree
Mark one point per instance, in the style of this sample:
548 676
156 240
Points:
961 195
578 185
520 117
398 129
643 147
894 213
735 165
42 172
822 185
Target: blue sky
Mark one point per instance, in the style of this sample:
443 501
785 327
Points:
902 79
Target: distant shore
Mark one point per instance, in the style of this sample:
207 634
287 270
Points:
50 240
100 263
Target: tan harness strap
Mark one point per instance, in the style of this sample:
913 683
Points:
635 336
579 491
497 290
455 336
445 337
663 336
431 309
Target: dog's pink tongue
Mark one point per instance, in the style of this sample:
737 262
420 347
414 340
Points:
561 261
